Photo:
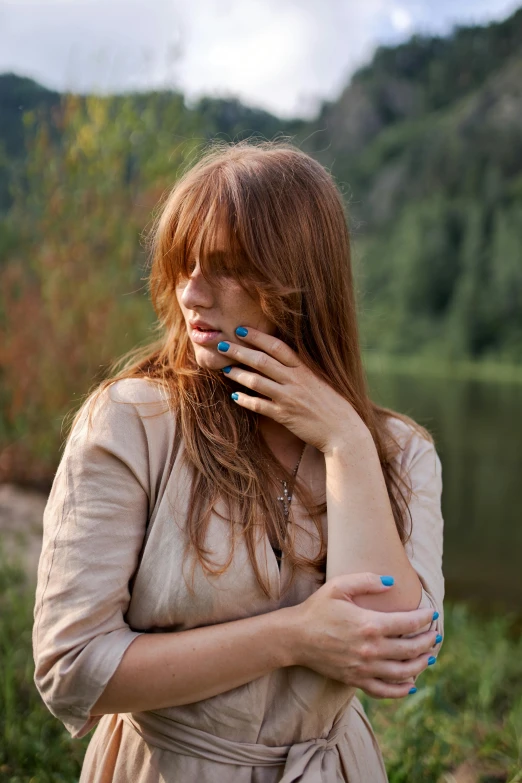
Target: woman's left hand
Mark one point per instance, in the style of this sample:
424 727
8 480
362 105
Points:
298 399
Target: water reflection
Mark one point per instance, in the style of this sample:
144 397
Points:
477 427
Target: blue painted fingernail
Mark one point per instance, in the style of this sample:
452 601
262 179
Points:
435 615
235 396
223 346
438 638
412 690
227 369
431 660
241 331
387 580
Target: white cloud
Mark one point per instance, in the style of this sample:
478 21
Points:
283 55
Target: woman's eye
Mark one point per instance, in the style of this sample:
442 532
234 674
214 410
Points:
217 270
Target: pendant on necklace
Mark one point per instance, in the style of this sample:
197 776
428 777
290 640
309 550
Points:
286 498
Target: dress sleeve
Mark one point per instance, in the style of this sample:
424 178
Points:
425 545
94 523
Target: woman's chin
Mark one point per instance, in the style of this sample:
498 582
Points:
209 358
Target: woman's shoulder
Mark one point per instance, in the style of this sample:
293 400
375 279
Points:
128 423
128 396
138 391
125 408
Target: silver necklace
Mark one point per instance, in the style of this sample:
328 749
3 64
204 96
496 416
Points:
286 498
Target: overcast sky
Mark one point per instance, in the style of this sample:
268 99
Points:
283 55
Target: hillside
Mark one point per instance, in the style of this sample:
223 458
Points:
209 117
425 142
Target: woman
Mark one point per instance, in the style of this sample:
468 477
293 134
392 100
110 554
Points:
226 553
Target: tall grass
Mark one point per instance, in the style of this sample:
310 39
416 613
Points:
80 215
468 706
34 746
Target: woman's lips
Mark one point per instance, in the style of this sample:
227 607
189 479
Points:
203 337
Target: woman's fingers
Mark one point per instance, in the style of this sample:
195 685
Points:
399 670
251 380
404 649
269 344
384 690
258 360
395 624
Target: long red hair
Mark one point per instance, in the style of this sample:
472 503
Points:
288 245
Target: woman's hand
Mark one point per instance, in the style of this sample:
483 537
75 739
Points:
361 647
298 399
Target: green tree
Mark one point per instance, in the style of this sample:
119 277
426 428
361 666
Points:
72 292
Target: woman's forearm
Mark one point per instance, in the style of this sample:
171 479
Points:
169 669
362 535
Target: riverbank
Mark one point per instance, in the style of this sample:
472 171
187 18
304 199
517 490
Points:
435 367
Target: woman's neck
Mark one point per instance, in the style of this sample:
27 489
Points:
286 446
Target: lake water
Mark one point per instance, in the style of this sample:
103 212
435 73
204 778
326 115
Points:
477 427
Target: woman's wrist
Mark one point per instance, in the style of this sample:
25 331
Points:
285 628
350 440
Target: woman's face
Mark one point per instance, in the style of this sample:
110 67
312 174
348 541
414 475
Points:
222 306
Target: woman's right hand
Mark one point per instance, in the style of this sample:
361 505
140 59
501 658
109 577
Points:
361 647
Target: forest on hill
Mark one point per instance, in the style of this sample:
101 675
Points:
425 142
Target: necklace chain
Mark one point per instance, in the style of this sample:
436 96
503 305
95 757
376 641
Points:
286 498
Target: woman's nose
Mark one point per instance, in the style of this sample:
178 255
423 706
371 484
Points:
197 292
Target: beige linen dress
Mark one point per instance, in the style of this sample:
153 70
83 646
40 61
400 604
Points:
111 568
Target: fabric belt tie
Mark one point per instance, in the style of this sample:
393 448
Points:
303 760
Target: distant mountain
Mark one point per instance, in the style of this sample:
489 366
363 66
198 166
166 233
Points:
226 118
426 143
405 87
465 87
17 95
420 76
